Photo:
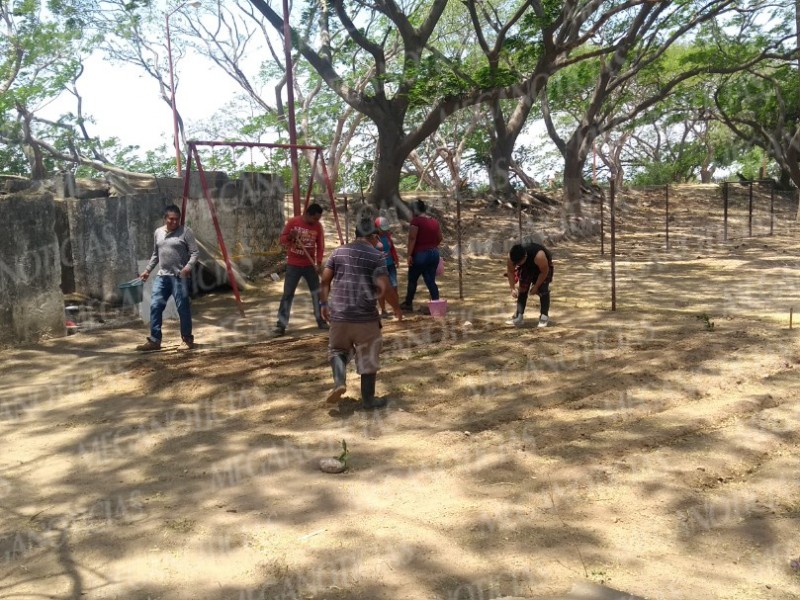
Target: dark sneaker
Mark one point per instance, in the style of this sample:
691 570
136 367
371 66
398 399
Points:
387 315
406 307
186 344
324 326
148 346
335 394
279 330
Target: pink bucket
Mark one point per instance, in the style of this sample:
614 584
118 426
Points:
438 308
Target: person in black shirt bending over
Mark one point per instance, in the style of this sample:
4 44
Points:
530 265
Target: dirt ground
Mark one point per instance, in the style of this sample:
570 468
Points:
653 449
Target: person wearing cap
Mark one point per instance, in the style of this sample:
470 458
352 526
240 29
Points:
354 278
386 245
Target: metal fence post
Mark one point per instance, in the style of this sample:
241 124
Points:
602 228
725 211
613 249
666 214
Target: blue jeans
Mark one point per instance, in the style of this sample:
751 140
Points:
392 269
163 287
293 276
425 264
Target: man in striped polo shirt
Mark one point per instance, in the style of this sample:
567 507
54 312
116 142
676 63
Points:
354 279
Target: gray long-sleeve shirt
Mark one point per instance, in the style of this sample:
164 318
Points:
173 250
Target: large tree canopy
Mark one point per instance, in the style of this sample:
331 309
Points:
417 83
397 89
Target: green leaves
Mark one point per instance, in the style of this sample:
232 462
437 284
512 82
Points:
429 82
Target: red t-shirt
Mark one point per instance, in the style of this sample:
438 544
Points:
427 234
312 238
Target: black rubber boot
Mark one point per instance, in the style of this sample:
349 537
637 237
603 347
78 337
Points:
368 392
339 368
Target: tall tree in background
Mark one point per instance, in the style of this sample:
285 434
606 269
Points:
133 34
761 105
228 35
413 76
399 63
627 77
510 52
41 59
439 160
39 56
762 108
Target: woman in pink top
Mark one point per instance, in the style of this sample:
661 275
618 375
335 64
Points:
424 237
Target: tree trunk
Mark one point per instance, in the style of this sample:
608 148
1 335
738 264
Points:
573 182
618 171
707 173
504 139
501 148
388 169
528 181
793 164
785 179
500 168
30 148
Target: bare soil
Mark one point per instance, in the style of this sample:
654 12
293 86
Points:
653 448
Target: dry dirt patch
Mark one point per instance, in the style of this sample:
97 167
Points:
640 448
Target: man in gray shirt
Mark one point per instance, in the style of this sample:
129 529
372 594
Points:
354 279
175 249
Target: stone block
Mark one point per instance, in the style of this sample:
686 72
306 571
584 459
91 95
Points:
65 247
64 185
13 185
31 302
250 216
91 188
103 252
215 180
145 214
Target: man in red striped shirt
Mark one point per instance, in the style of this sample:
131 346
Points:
304 240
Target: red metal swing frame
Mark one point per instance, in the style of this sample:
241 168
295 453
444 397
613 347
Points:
192 152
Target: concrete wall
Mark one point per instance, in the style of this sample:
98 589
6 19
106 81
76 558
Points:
31 302
89 243
145 214
109 235
250 214
103 252
65 245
